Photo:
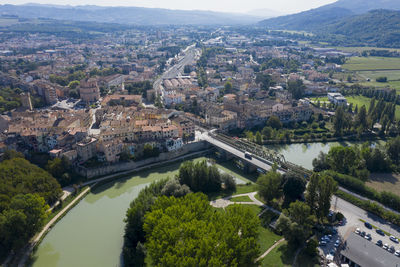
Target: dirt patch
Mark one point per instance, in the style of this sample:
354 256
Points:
385 182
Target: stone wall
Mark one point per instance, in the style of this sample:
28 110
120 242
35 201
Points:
132 165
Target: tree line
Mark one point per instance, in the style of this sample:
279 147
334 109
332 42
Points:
303 207
141 240
26 191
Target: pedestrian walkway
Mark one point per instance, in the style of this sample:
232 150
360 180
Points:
225 202
270 249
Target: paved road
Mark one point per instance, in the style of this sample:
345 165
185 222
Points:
262 164
189 56
367 199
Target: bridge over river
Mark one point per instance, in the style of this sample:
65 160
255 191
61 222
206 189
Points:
262 157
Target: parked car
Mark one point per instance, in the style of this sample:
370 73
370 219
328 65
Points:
385 247
368 237
368 225
397 253
332 252
391 249
363 233
357 231
337 243
394 239
379 243
322 243
380 232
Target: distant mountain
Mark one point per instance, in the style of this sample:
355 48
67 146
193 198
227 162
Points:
308 20
328 14
126 15
363 6
376 28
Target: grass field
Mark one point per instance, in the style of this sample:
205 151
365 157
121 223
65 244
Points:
372 63
266 239
362 49
241 199
385 182
279 257
362 100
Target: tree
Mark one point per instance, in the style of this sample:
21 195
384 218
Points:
344 159
11 154
134 238
393 150
229 182
265 81
321 162
188 232
293 187
381 79
361 119
274 122
258 138
297 88
296 223
319 193
228 87
341 121
24 217
174 188
73 84
269 185
200 177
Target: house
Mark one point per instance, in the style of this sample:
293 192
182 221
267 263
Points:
87 149
337 99
173 144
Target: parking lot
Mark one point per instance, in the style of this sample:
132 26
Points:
333 243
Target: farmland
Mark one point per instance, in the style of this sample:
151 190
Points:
367 69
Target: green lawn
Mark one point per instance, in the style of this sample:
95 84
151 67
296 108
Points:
244 189
241 199
266 239
280 256
362 100
372 63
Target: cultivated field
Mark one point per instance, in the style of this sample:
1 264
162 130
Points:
372 63
362 49
373 67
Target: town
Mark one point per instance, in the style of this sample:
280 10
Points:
278 121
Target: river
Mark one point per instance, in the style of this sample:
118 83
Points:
303 154
91 234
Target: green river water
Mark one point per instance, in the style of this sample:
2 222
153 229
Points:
91 234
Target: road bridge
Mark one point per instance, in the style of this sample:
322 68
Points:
262 157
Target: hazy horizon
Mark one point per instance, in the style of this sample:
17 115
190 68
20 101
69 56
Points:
235 6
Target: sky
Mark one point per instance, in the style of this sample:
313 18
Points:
237 6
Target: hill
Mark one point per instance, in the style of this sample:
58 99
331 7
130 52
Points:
126 15
328 14
376 28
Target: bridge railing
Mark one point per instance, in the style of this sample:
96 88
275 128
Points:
262 152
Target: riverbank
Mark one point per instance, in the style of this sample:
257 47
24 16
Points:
352 138
39 237
53 219
91 234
